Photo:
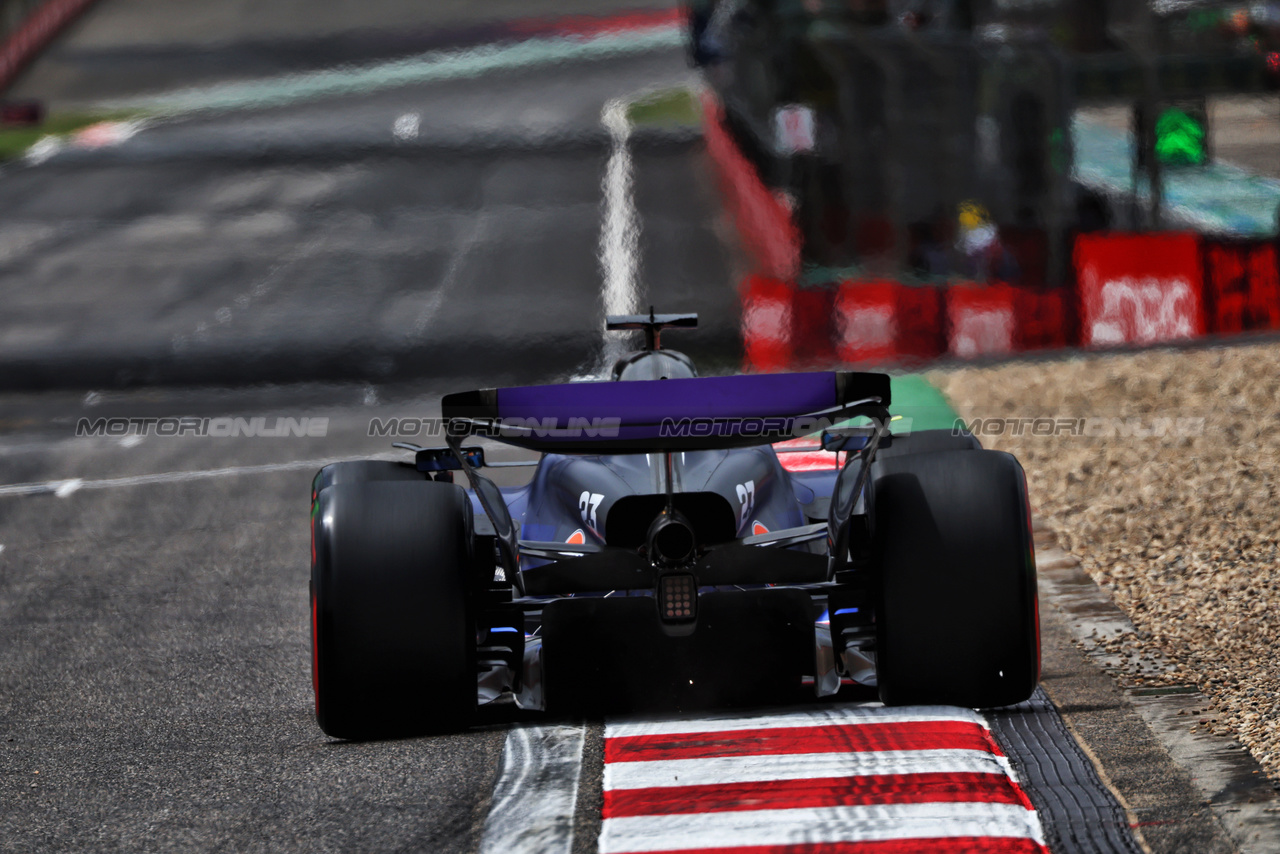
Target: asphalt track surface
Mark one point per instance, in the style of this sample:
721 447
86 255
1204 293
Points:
201 252
154 670
154 681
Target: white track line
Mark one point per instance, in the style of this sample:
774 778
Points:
63 488
620 230
537 792
800 718
753 769
823 824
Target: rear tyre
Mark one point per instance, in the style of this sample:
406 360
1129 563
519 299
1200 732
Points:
956 621
362 471
918 442
393 636
928 441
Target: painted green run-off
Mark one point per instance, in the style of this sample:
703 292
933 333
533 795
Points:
667 108
14 141
917 405
916 398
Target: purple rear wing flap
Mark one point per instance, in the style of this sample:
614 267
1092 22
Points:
655 415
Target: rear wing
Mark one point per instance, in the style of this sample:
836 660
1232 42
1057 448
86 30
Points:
698 413
645 416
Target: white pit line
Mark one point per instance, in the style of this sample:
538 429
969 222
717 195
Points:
619 231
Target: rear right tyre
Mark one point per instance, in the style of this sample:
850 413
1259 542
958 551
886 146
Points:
956 617
929 441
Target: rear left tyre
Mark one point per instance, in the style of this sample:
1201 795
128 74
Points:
393 635
363 471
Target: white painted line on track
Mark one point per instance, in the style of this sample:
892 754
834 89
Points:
64 488
751 769
537 792
620 230
406 126
724 830
801 717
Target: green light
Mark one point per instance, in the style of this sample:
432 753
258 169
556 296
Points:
1180 138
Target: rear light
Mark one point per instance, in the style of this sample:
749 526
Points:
677 598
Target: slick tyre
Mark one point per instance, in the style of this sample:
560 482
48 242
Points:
956 617
928 441
362 471
393 636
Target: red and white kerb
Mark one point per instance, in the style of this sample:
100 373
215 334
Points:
829 781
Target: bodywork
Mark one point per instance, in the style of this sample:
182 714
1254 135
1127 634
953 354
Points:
580 600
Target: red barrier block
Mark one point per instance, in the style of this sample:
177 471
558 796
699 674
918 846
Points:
866 321
882 321
981 320
1242 286
1229 312
1139 288
1226 285
1262 304
767 321
1045 319
811 316
921 322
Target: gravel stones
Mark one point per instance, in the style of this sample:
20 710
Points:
1159 471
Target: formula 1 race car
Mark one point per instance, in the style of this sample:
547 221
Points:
662 556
